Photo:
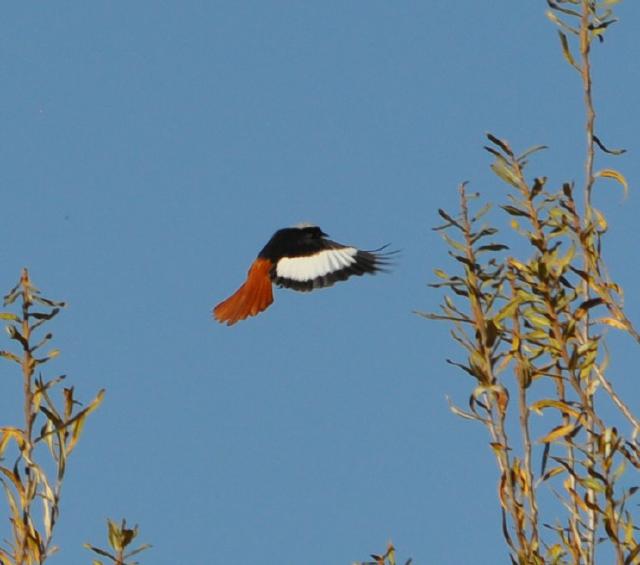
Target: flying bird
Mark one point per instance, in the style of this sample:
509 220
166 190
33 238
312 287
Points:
300 258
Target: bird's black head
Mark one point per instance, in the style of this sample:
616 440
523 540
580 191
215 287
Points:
291 242
311 232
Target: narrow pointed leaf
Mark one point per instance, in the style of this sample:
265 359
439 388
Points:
566 51
557 432
615 175
606 149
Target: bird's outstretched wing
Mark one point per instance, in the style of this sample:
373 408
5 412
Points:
300 258
333 262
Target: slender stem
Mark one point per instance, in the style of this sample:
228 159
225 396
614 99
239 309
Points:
585 47
524 428
27 375
496 411
616 399
27 362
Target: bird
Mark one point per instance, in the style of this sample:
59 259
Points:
301 258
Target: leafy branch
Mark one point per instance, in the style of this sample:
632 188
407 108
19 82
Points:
533 330
120 538
387 558
57 427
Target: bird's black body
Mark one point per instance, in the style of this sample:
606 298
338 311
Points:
295 242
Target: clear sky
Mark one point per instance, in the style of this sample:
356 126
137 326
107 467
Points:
148 150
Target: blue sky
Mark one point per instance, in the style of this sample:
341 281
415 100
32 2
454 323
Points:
150 149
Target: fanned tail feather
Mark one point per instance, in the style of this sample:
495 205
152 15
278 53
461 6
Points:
254 296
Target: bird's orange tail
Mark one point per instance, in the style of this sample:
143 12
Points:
254 296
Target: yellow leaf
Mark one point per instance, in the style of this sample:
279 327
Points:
10 432
615 175
538 406
15 480
555 551
628 531
576 497
613 323
601 220
77 422
507 311
497 447
592 484
557 432
553 472
53 353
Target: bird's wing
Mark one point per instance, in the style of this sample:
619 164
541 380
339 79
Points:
331 263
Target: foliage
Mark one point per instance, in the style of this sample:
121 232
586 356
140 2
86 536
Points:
120 538
533 333
33 494
388 558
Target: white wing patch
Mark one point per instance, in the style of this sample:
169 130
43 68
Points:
318 265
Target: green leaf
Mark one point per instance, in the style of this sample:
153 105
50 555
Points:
507 310
453 243
11 296
449 219
537 319
619 471
592 484
564 261
484 233
492 247
500 143
556 20
99 551
138 550
480 213
10 356
513 211
48 302
79 419
602 146
531 151
9 316
567 52
113 536
51 355
505 171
